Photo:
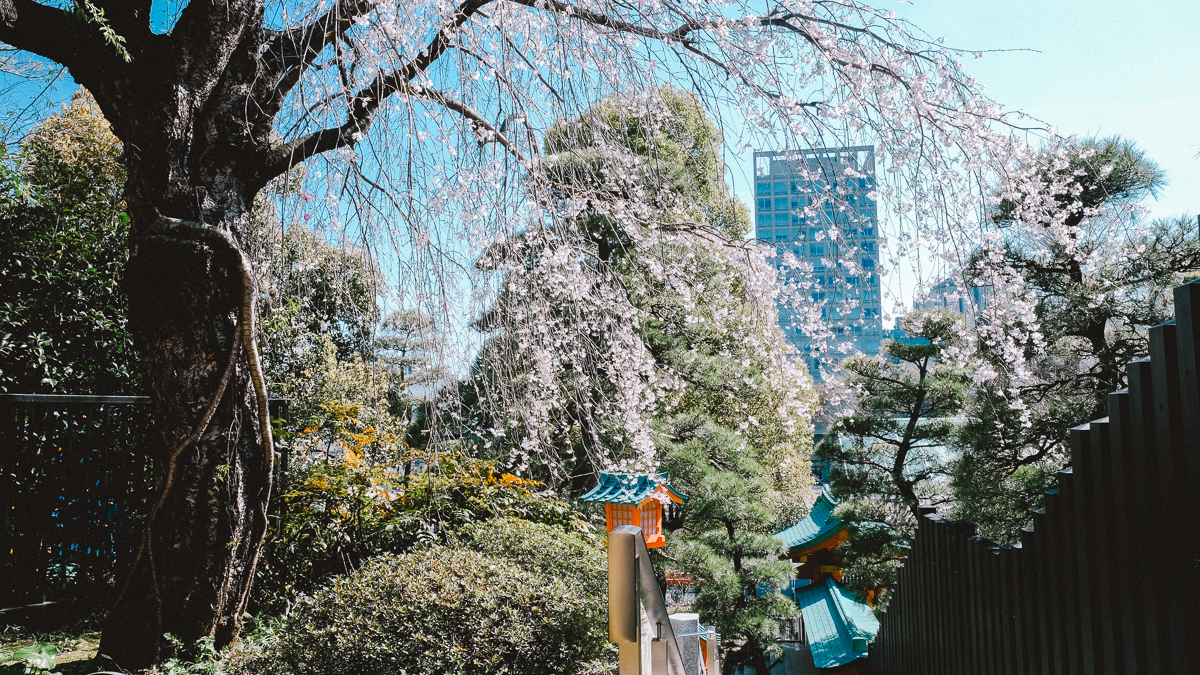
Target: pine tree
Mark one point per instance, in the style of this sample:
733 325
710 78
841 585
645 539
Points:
732 428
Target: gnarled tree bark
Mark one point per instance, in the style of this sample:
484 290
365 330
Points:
196 141
195 109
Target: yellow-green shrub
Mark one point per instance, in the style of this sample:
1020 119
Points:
506 596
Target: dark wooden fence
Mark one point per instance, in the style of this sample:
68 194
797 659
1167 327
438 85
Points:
1105 581
73 488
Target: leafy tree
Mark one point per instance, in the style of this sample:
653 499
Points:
1098 185
729 428
63 325
64 251
893 453
1097 277
310 289
407 347
215 101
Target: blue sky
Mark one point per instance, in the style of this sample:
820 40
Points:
1085 67
1092 67
1101 67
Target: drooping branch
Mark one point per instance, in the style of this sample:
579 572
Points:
330 139
290 53
367 101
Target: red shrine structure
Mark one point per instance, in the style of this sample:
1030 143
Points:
636 499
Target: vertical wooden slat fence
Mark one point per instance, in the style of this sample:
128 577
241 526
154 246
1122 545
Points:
1105 580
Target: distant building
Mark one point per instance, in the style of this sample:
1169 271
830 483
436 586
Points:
816 204
947 295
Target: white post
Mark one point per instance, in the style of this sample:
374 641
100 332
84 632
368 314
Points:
630 579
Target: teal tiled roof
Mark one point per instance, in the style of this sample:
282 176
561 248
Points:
629 488
816 527
832 620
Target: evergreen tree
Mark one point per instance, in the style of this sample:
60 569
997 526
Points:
893 453
407 346
1095 296
732 428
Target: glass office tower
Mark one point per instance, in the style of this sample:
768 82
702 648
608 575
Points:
818 205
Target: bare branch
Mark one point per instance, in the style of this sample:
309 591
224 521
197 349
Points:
52 33
291 52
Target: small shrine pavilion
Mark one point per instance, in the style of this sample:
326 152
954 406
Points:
811 542
636 499
836 626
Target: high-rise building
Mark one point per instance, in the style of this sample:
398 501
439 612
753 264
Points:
947 295
816 204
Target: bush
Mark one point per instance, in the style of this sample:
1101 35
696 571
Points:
506 596
333 516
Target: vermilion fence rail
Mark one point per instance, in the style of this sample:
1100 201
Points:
74 486
1105 581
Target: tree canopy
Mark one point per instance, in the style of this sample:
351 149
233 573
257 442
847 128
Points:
62 228
421 127
1094 280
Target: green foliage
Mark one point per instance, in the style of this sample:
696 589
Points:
332 515
312 290
734 436
510 596
893 452
406 346
728 435
63 248
723 540
678 146
62 251
38 657
68 651
341 407
87 11
1096 301
208 659
1088 174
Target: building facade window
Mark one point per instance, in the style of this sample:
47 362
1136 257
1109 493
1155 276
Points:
830 183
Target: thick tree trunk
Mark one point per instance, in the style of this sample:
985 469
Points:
191 578
195 108
194 141
189 300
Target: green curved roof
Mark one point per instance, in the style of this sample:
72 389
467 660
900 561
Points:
832 619
629 488
815 528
